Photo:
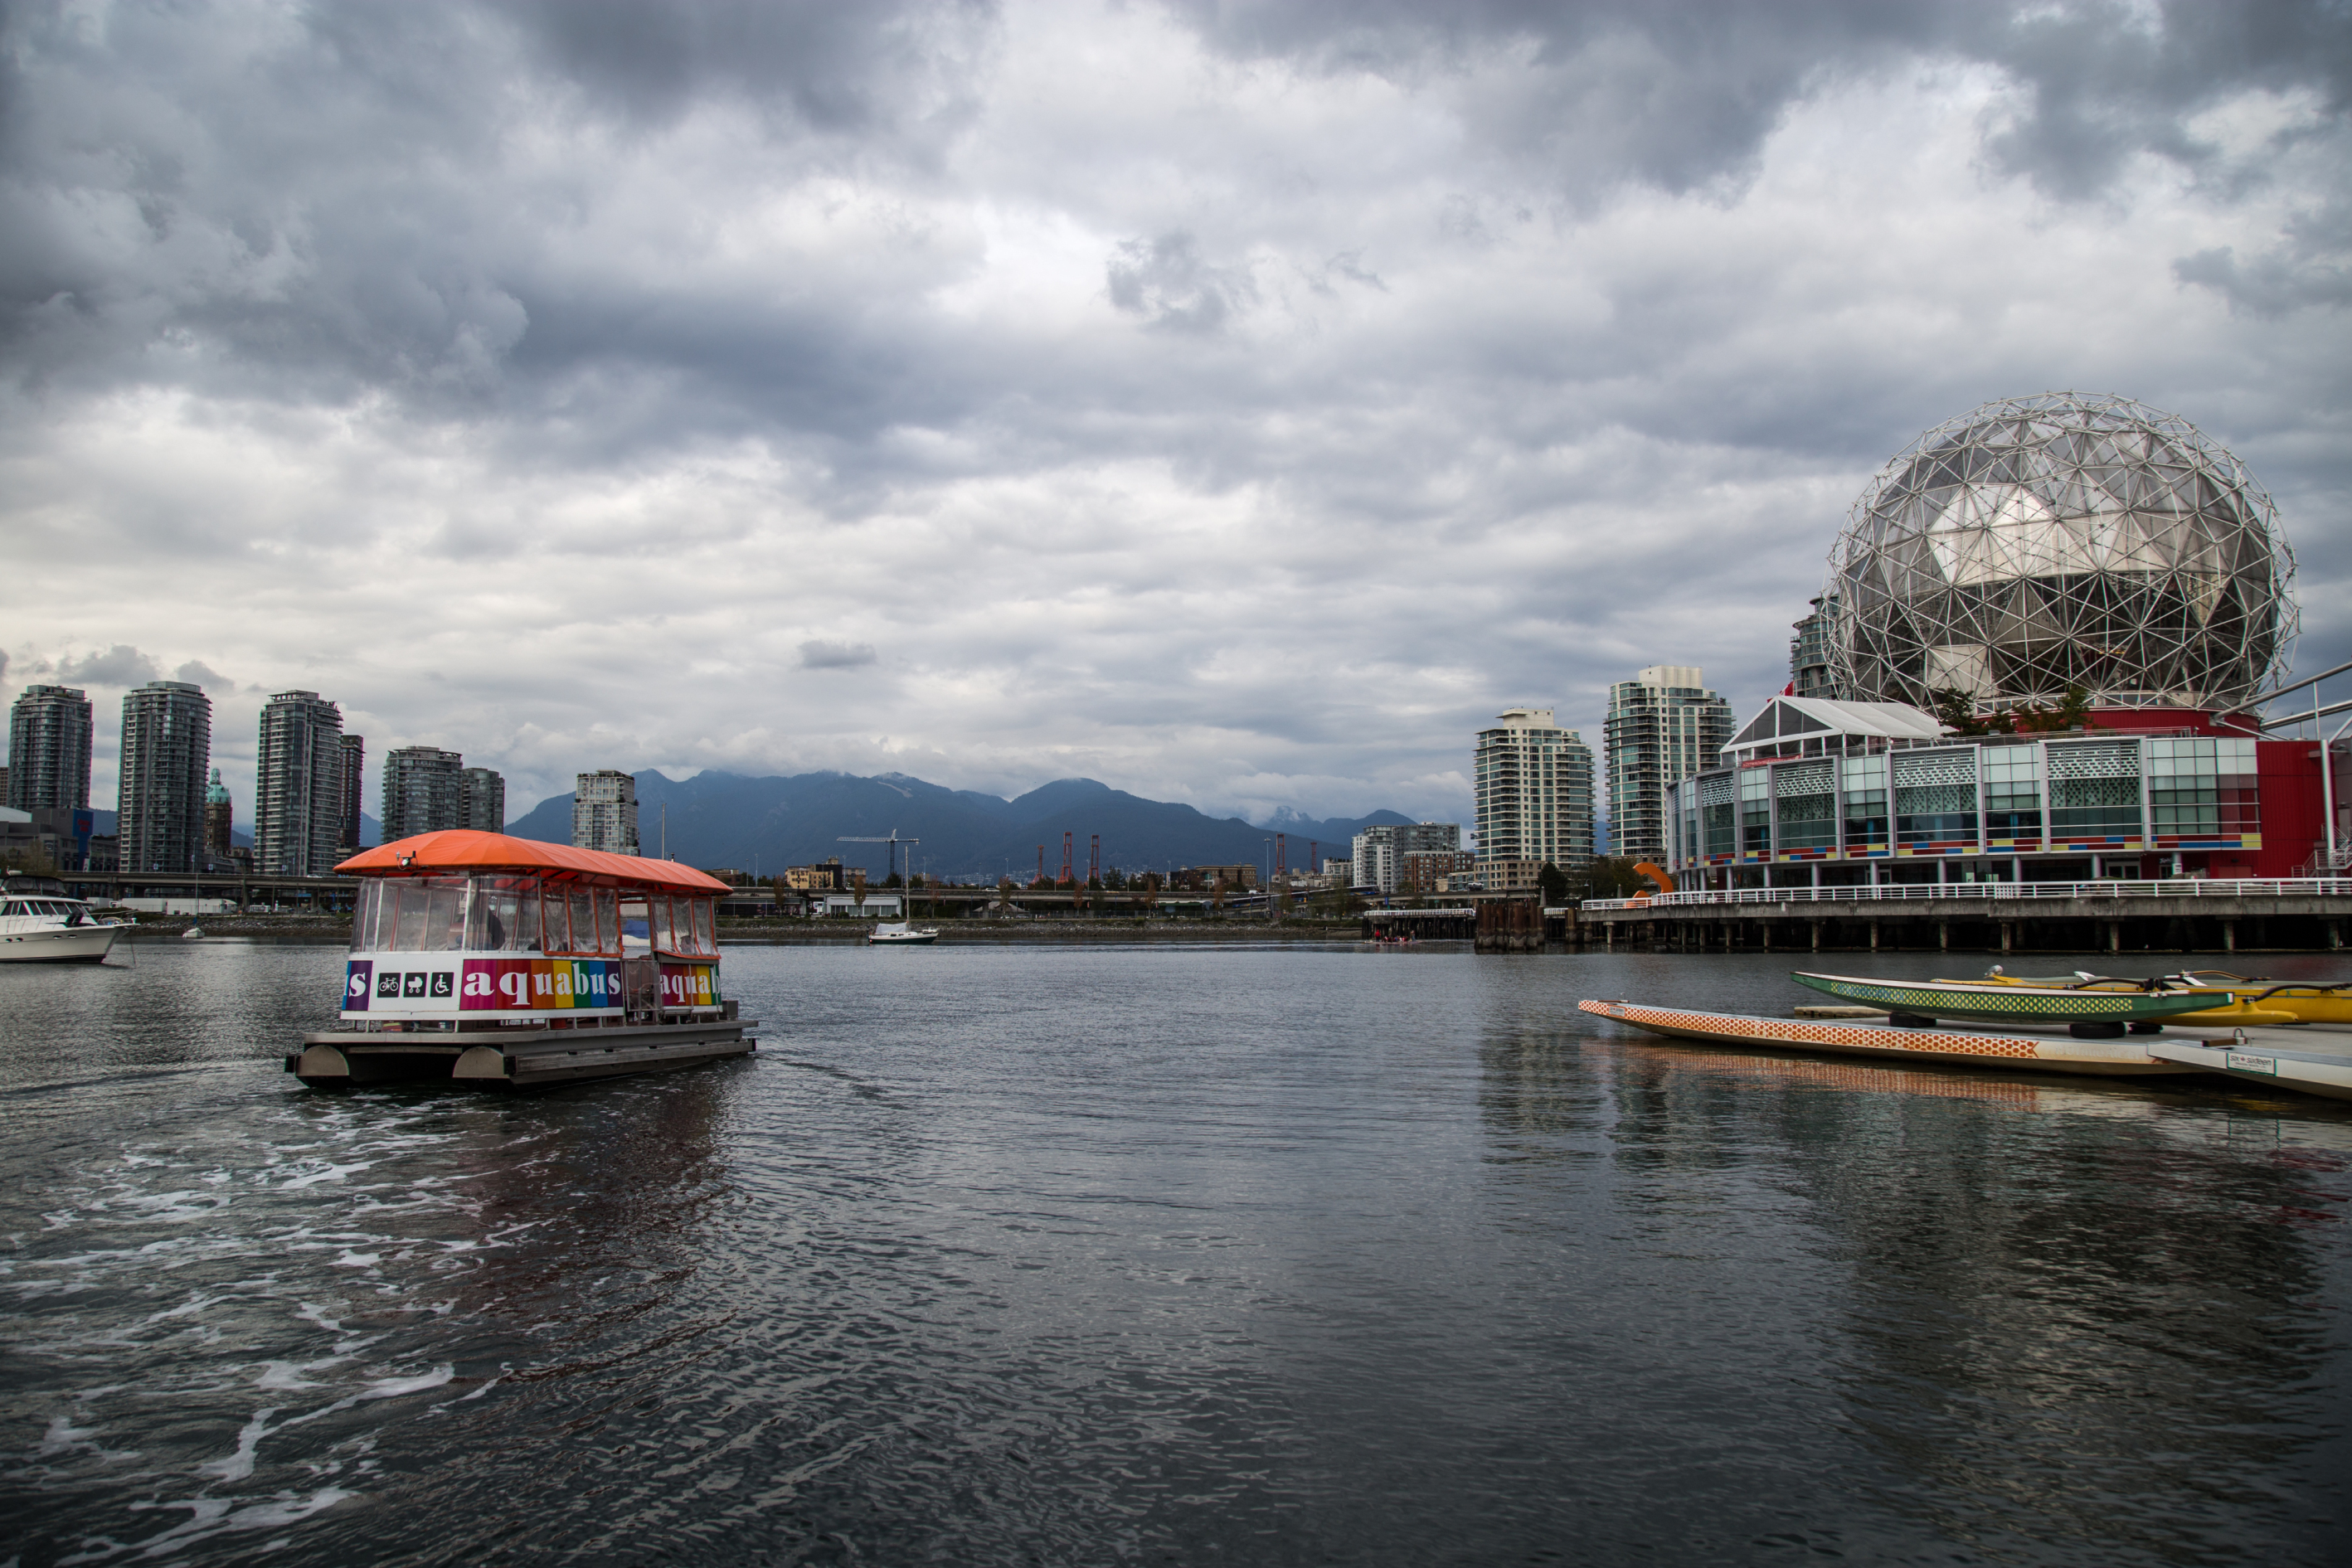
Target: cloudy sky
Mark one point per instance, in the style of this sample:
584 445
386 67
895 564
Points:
1238 403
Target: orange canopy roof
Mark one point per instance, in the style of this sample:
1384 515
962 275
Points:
457 851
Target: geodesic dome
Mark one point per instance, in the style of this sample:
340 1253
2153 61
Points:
2039 543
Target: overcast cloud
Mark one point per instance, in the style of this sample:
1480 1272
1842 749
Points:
1238 403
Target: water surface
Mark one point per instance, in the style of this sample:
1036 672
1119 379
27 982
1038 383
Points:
1001 1254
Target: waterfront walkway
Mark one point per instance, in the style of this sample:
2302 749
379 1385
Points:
2174 914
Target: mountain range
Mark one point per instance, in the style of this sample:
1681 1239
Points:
726 820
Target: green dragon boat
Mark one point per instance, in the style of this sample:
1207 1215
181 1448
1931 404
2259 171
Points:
1926 1000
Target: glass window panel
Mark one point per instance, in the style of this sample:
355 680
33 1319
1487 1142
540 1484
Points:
478 894
637 921
502 923
408 930
554 924
583 924
665 937
367 915
524 938
704 933
444 915
608 921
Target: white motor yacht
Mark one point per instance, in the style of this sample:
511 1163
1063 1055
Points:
899 934
48 928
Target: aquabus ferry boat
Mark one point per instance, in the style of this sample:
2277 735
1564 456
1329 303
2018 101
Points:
496 962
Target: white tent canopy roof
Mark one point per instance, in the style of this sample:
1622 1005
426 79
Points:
1796 718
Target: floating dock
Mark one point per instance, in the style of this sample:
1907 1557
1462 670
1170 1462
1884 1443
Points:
2309 1059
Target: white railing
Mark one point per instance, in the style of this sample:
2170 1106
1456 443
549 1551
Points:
2167 887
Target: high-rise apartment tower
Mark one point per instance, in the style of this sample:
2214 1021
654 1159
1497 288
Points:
482 801
298 786
167 746
1534 783
354 765
1809 652
220 820
422 790
49 751
604 812
1663 726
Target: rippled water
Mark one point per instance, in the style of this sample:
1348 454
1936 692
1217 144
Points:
1166 1254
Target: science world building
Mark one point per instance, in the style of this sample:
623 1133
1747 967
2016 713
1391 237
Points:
2032 553
2040 544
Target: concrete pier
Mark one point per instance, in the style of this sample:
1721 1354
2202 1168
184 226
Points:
2304 915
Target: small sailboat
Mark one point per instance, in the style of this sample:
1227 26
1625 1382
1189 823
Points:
899 934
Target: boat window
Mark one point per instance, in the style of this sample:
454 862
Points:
554 924
637 921
363 908
524 938
664 937
445 915
408 927
608 922
704 940
583 924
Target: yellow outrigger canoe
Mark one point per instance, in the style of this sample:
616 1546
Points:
2241 1000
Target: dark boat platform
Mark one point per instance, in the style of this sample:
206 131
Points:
515 1058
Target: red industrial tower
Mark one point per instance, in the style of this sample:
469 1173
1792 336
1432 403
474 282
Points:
1040 867
1066 859
1094 859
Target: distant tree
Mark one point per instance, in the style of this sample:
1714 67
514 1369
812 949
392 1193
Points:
2069 711
1957 710
1552 883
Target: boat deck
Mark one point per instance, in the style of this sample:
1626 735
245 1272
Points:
515 1058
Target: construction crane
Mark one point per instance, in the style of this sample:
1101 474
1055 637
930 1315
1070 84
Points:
891 856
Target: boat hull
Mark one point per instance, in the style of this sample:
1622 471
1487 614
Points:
1949 1048
2246 1004
1994 1002
498 1058
62 945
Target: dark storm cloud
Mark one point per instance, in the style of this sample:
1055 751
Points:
1682 94
1168 283
880 67
120 666
1230 401
817 655
327 204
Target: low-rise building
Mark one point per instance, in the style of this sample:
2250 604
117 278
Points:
1832 793
859 904
1516 875
1428 871
825 876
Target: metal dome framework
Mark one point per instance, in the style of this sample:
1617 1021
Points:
2038 543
